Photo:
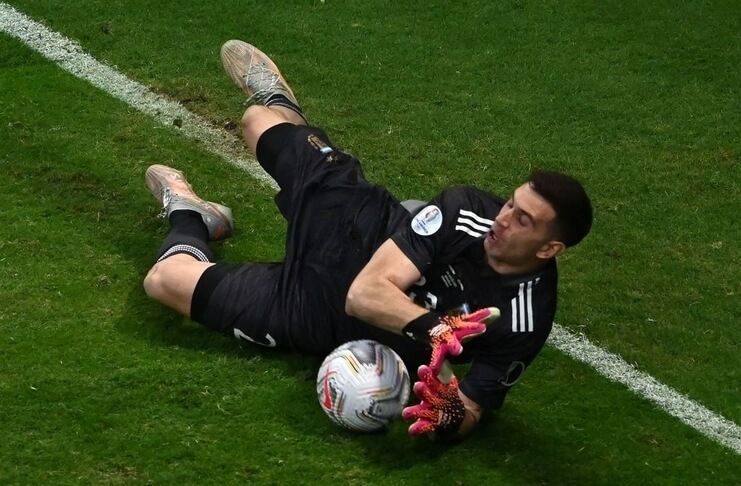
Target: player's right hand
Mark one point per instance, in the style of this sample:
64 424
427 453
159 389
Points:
440 410
447 337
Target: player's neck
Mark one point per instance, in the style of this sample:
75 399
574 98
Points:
507 268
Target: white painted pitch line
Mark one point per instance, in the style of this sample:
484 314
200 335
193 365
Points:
70 56
615 368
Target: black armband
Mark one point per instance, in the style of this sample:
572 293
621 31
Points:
419 328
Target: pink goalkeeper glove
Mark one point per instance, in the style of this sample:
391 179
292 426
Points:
440 409
446 333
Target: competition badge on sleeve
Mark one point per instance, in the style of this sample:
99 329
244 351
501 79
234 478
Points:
427 221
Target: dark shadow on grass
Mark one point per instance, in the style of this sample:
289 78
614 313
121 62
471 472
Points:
150 321
504 442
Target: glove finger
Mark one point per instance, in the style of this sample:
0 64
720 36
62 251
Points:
431 380
487 315
471 330
421 426
439 353
414 412
424 372
421 411
428 376
421 390
454 346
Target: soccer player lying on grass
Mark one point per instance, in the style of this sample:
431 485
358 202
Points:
358 265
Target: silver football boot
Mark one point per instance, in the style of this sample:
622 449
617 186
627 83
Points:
169 186
254 72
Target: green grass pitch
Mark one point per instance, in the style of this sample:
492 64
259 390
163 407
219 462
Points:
640 100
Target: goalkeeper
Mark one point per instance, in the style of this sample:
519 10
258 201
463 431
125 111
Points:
359 265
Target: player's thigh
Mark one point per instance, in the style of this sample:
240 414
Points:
256 121
306 166
173 281
243 300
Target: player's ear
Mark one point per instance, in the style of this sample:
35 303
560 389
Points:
551 249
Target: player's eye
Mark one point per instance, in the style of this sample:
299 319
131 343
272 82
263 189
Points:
509 203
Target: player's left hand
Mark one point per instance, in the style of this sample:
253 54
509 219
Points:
440 410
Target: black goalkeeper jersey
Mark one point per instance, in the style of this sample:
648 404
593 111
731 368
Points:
445 241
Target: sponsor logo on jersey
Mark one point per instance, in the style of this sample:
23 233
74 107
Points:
427 221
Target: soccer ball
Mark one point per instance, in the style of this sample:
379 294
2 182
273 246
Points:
363 385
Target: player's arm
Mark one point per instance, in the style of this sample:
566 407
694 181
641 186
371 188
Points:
377 294
472 417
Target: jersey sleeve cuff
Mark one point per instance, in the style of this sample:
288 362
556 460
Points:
403 245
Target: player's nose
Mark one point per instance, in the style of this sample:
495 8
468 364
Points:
502 218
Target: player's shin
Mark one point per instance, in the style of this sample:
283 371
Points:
188 234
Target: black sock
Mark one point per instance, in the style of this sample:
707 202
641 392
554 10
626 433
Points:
188 234
279 100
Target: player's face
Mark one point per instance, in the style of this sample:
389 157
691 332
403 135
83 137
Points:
520 237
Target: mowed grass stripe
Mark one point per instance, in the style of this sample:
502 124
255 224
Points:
72 58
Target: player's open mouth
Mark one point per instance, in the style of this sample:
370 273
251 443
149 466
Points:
491 238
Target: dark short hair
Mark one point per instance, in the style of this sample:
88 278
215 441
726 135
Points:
570 201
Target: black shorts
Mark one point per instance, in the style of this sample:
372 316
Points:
336 219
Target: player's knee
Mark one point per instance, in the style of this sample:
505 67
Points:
253 118
154 283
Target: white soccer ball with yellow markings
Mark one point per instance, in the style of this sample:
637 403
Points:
363 385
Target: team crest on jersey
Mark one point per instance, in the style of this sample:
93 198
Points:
427 221
317 143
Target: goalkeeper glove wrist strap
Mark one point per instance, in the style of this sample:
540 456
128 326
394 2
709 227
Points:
419 328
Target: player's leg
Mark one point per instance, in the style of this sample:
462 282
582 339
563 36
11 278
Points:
172 281
237 300
260 79
274 127
246 301
185 253
256 121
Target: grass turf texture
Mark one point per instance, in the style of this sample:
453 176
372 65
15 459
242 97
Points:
97 384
